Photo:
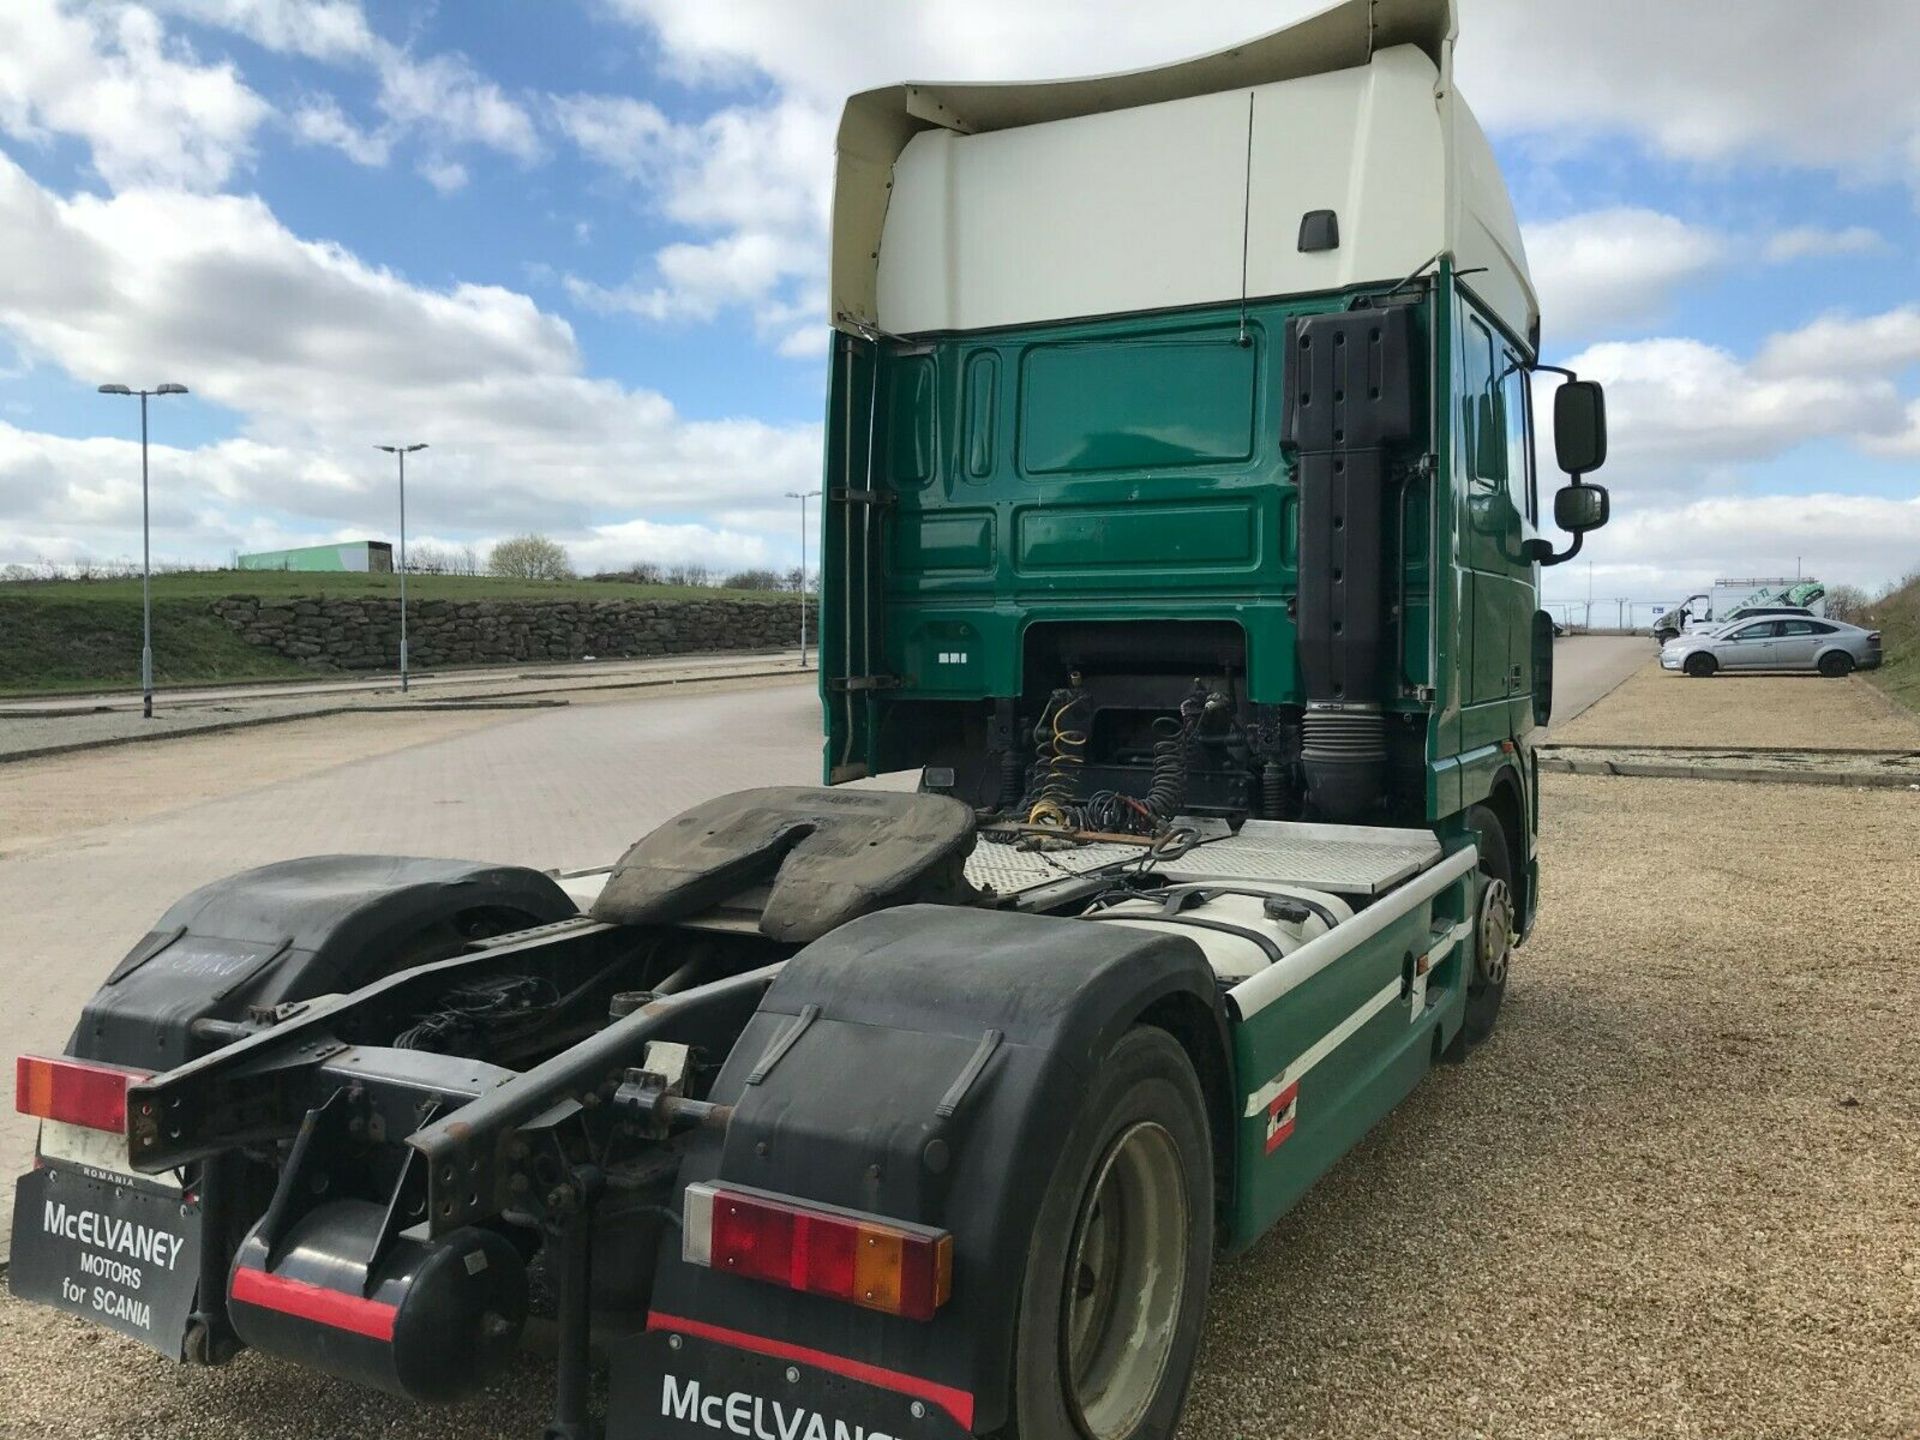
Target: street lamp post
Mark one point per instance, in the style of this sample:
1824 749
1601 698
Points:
146 546
803 496
401 452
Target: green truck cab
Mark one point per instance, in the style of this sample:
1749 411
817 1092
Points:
1094 419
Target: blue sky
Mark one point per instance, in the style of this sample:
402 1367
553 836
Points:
578 247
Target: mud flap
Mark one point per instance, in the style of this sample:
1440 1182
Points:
672 1384
115 1251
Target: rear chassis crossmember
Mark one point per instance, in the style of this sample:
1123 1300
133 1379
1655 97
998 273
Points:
478 1147
483 1143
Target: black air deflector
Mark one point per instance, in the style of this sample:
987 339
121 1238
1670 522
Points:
1349 401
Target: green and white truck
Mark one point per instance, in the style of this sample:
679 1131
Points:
1182 540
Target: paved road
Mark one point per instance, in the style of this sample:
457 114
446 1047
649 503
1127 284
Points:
1586 667
560 789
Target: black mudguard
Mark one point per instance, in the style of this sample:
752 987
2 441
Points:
943 1054
293 930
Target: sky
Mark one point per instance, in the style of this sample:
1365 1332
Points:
578 248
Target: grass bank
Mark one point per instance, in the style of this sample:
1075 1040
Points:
1897 618
68 635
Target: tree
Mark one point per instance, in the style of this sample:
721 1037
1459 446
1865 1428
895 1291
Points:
1847 603
530 557
636 572
753 580
688 574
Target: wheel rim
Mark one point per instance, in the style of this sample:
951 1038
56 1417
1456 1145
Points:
1495 931
1126 1272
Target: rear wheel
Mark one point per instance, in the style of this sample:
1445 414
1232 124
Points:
1700 665
1836 664
1495 923
1115 1290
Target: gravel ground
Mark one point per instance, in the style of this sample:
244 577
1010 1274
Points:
1677 1195
1796 712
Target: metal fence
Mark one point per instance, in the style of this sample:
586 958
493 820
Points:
1615 613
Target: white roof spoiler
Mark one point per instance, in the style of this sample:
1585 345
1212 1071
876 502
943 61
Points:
876 124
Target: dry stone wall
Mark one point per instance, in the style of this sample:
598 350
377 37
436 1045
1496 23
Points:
355 634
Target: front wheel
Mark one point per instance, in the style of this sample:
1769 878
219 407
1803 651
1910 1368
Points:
1700 665
1115 1290
1495 924
1836 664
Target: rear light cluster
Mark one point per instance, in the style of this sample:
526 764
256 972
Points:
886 1265
74 1092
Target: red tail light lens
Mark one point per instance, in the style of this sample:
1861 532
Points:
888 1265
75 1092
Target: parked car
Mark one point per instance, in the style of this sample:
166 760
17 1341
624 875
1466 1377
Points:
1667 628
1792 642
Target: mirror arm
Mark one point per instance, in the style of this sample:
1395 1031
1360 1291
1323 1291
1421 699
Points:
1542 550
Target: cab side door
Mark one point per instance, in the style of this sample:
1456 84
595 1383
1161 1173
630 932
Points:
1495 471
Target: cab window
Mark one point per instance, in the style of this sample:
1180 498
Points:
1514 399
1483 427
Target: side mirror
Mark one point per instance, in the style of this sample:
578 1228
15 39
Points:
1577 508
1580 508
1580 428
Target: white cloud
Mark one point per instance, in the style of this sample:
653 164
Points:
1771 81
1610 269
697 280
446 176
440 96
1678 400
320 121
447 98
613 547
321 355
1654 552
1684 416
1869 345
330 30
759 180
148 109
1804 242
626 134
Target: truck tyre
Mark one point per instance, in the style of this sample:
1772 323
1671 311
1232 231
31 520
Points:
1493 926
1836 664
1700 665
1115 1289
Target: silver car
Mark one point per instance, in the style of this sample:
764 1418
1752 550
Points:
1782 643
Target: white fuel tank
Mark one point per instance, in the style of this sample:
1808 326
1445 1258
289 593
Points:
1242 926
